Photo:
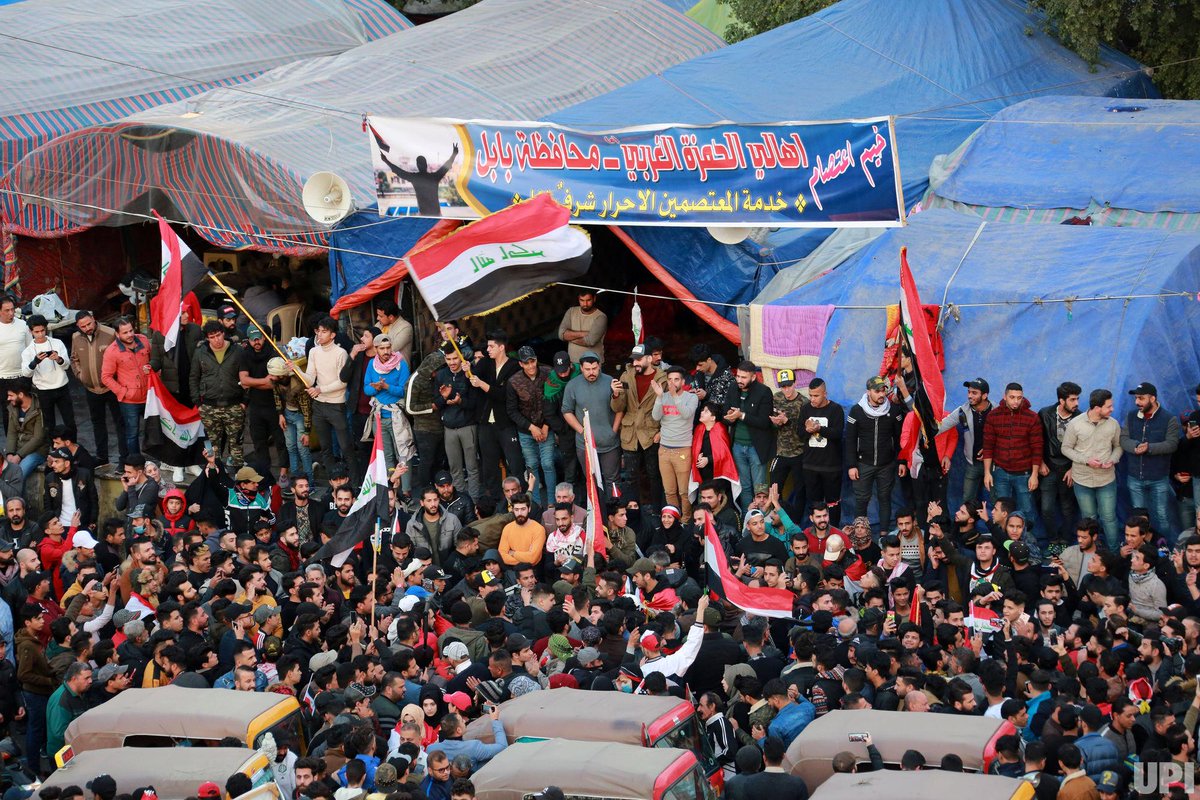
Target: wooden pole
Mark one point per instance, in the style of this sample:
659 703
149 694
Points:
233 299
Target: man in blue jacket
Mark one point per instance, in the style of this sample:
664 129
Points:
1099 753
791 718
1150 435
452 729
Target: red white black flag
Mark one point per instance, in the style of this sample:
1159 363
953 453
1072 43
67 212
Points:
761 601
500 258
182 271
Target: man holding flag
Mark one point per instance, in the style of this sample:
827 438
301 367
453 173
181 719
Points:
369 511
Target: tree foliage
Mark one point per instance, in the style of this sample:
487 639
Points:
1164 34
759 16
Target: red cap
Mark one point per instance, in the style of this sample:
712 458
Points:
208 789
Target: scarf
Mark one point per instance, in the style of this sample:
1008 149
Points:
560 646
554 384
1141 578
723 466
866 406
384 367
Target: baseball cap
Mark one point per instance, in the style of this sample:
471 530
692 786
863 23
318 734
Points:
264 613
435 573
562 361
322 659
253 332
247 474
876 382
1145 388
649 641
526 353
1108 782
712 616
549 793
977 383
227 312
103 785
516 643
138 511
785 377
488 577
84 539
413 566
6 546
110 671
408 603
353 696
63 453
1019 552
571 565
589 356
208 789
460 700
235 610
833 548
443 478
643 565
456 650
587 655
638 351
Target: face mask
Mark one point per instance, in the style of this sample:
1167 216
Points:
627 688
139 529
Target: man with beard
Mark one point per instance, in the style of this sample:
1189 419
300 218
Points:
142 556
822 422
497 435
300 512
752 434
16 527
523 540
452 500
1012 450
1056 481
821 530
88 344
872 443
432 528
261 416
1149 436
633 400
139 489
567 539
245 505
592 391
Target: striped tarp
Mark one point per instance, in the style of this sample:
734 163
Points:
239 156
70 64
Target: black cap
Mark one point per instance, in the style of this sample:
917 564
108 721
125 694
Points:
977 383
63 453
572 565
562 361
442 478
228 312
549 793
235 610
1145 388
526 353
103 785
1019 553
435 573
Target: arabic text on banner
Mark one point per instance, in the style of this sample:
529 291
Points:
826 174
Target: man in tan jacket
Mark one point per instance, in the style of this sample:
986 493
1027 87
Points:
88 344
634 398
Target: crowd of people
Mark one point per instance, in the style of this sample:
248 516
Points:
1028 600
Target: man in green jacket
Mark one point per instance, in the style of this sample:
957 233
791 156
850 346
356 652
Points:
66 704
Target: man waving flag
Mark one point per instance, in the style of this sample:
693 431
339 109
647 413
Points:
929 394
369 508
760 601
182 271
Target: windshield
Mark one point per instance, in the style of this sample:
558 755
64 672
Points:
290 729
692 786
686 736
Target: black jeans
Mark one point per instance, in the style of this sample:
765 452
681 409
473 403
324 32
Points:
825 487
881 479
263 422
784 467
56 402
100 406
498 443
1055 495
635 464
431 457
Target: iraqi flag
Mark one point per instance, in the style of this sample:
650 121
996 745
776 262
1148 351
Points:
760 601
500 258
177 436
594 525
182 271
370 507
929 396
723 467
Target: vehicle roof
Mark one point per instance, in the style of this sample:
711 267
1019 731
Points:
579 714
171 711
174 772
893 733
628 770
920 785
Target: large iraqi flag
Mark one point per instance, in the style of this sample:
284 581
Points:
182 271
761 601
369 509
500 258
173 431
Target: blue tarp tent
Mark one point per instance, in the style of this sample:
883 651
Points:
1119 162
947 65
1005 320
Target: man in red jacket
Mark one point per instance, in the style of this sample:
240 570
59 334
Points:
1012 450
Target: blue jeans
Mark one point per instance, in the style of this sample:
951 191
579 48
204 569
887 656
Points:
131 419
751 471
1016 486
540 454
1153 494
972 480
1101 504
299 455
30 463
35 729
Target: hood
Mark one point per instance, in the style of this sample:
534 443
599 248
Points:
162 504
1002 406
431 362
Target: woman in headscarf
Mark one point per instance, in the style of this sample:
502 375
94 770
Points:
433 708
675 537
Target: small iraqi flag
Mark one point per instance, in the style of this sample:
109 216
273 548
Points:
370 507
500 258
182 271
177 436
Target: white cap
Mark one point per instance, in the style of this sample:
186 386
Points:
83 538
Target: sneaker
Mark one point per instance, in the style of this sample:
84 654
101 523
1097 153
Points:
194 470
177 474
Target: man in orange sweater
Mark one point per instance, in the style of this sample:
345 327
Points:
523 540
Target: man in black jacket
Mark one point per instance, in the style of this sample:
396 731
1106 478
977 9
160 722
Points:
1053 487
69 489
752 434
458 401
717 651
821 424
772 782
872 444
497 434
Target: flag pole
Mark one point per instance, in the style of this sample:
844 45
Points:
376 543
270 339
466 364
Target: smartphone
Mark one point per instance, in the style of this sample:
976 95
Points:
858 737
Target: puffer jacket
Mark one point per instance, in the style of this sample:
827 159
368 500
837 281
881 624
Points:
179 524
1099 754
122 370
873 440
25 438
216 383
419 402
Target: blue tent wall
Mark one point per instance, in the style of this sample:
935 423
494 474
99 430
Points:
958 60
1108 344
358 241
